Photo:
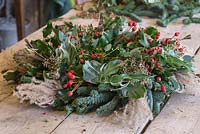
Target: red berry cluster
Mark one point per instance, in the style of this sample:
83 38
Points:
133 24
152 50
96 55
70 75
80 34
73 37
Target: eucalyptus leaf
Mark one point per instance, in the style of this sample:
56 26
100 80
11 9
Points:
188 58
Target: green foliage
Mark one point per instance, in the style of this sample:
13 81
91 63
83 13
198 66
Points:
88 104
136 91
166 10
91 70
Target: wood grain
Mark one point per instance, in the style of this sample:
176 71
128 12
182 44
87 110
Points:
16 118
180 116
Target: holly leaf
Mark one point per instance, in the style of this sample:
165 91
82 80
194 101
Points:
143 41
48 29
68 53
12 76
151 31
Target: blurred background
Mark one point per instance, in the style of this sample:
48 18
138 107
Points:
19 18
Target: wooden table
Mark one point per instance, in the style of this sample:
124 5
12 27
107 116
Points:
29 119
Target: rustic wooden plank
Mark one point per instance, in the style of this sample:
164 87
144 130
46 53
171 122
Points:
90 124
127 123
26 119
180 116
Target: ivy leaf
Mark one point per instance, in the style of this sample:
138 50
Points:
91 70
136 91
111 68
116 80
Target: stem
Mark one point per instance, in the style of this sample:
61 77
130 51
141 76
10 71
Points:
111 52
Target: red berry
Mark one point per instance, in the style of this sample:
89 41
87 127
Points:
146 50
71 71
163 88
99 55
80 34
159 50
93 55
157 35
158 65
158 78
134 29
134 23
156 59
168 40
162 42
130 23
128 39
176 34
151 53
65 85
69 93
152 60
97 34
150 41
82 61
147 66
70 82
70 75
81 52
180 49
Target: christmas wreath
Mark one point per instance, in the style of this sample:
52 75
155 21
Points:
85 69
